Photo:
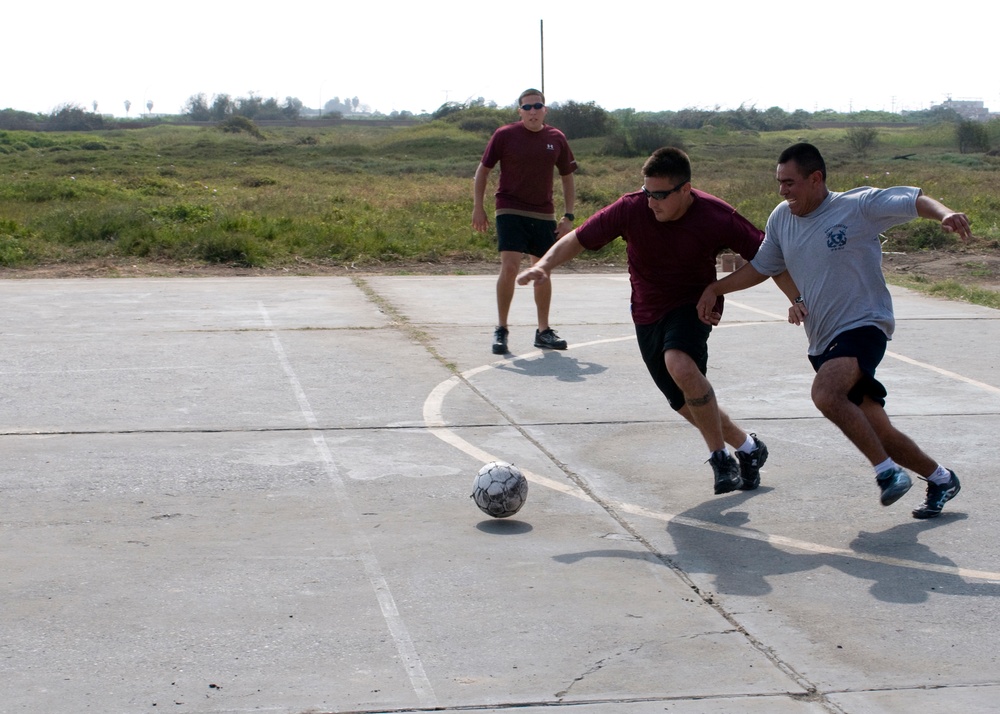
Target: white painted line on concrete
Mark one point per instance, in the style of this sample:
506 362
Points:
435 423
397 628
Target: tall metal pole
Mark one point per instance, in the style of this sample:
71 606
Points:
541 33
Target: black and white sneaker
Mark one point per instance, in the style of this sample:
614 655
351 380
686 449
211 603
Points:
548 339
750 465
500 341
937 496
727 472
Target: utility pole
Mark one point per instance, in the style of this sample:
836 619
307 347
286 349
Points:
541 35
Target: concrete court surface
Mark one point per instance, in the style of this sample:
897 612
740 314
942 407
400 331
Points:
252 495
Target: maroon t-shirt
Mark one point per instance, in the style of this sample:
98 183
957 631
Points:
670 263
527 159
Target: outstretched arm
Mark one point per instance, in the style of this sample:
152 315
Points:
564 249
951 221
745 277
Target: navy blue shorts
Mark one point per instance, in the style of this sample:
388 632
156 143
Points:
867 345
680 329
525 235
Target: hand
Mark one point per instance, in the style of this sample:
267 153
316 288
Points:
564 226
957 223
479 220
797 313
532 274
706 307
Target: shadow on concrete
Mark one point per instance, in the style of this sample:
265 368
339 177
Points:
553 364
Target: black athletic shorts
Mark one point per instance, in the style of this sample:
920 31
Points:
525 235
867 345
680 329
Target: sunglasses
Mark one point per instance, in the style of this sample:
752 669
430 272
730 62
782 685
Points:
529 107
660 195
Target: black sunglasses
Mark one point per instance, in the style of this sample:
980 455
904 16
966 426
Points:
529 107
660 195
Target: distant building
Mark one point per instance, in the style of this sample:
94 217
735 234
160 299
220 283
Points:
968 109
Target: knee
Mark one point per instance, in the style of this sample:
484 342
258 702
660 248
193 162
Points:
682 369
826 399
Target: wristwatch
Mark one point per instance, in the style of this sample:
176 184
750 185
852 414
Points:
569 216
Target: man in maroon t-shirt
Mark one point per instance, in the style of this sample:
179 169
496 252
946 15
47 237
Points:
673 234
528 151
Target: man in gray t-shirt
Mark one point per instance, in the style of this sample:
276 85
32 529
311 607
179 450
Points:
829 243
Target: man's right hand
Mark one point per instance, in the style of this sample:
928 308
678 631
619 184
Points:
706 307
532 274
479 220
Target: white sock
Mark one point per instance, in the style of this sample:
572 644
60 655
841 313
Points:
885 466
941 476
748 445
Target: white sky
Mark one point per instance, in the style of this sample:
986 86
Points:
650 56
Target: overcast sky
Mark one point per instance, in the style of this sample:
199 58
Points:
649 56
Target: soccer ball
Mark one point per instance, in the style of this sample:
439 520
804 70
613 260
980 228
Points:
500 489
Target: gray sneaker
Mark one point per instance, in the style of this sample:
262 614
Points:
894 484
500 341
727 472
548 339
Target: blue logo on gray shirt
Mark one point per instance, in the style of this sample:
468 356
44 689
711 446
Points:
836 237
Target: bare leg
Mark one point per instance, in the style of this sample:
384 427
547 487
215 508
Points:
543 299
510 263
901 448
701 407
829 393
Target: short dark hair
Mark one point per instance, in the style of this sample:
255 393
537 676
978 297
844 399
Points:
528 93
668 162
806 157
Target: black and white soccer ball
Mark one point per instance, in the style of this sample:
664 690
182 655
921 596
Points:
500 489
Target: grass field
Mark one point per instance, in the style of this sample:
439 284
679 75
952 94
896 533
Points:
382 195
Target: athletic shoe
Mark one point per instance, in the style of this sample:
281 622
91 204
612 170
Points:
727 472
894 484
549 340
937 496
500 341
750 465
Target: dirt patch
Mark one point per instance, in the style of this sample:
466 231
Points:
980 268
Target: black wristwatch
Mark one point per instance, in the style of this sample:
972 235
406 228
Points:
569 216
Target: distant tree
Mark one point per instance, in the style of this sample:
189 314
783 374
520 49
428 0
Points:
862 139
197 109
335 106
446 109
578 120
973 137
14 120
71 117
222 106
292 108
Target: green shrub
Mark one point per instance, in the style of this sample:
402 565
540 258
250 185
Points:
234 249
237 124
862 139
973 137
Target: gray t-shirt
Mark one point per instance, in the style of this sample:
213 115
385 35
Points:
834 255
